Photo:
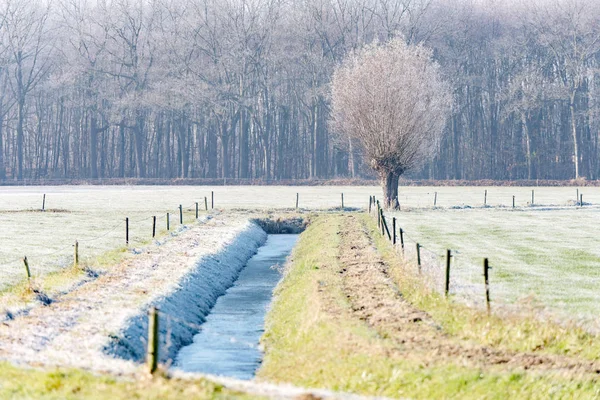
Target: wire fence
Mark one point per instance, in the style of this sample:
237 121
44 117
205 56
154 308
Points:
445 271
130 233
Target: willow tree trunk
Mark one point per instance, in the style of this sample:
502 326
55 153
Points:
389 180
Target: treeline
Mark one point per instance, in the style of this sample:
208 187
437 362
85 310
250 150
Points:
240 88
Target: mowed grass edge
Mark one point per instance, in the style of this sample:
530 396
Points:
312 339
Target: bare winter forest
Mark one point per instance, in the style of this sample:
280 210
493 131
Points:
241 88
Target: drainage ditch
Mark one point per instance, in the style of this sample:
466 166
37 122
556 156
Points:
228 342
213 319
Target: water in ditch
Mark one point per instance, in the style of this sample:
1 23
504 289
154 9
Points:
228 342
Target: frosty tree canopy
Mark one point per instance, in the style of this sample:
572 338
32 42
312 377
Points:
391 100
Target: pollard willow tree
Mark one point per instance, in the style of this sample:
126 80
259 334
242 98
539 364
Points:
392 101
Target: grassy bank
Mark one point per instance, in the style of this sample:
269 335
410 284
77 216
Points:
20 383
314 337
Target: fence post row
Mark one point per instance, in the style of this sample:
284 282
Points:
382 224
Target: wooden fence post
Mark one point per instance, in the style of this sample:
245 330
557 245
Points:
485 198
342 201
447 288
435 200
212 200
581 200
402 239
297 200
44 203
486 268
181 214
370 203
196 210
153 226
384 227
76 255
127 230
27 267
532 197
152 357
513 201
419 256
205 203
168 222
577 197
394 231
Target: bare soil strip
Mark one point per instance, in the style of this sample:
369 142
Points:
376 299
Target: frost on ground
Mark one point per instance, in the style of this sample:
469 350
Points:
101 324
95 215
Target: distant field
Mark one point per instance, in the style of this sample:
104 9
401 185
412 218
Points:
549 250
95 216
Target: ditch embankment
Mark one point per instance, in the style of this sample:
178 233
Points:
102 324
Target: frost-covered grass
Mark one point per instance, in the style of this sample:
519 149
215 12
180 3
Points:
94 215
461 196
547 256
